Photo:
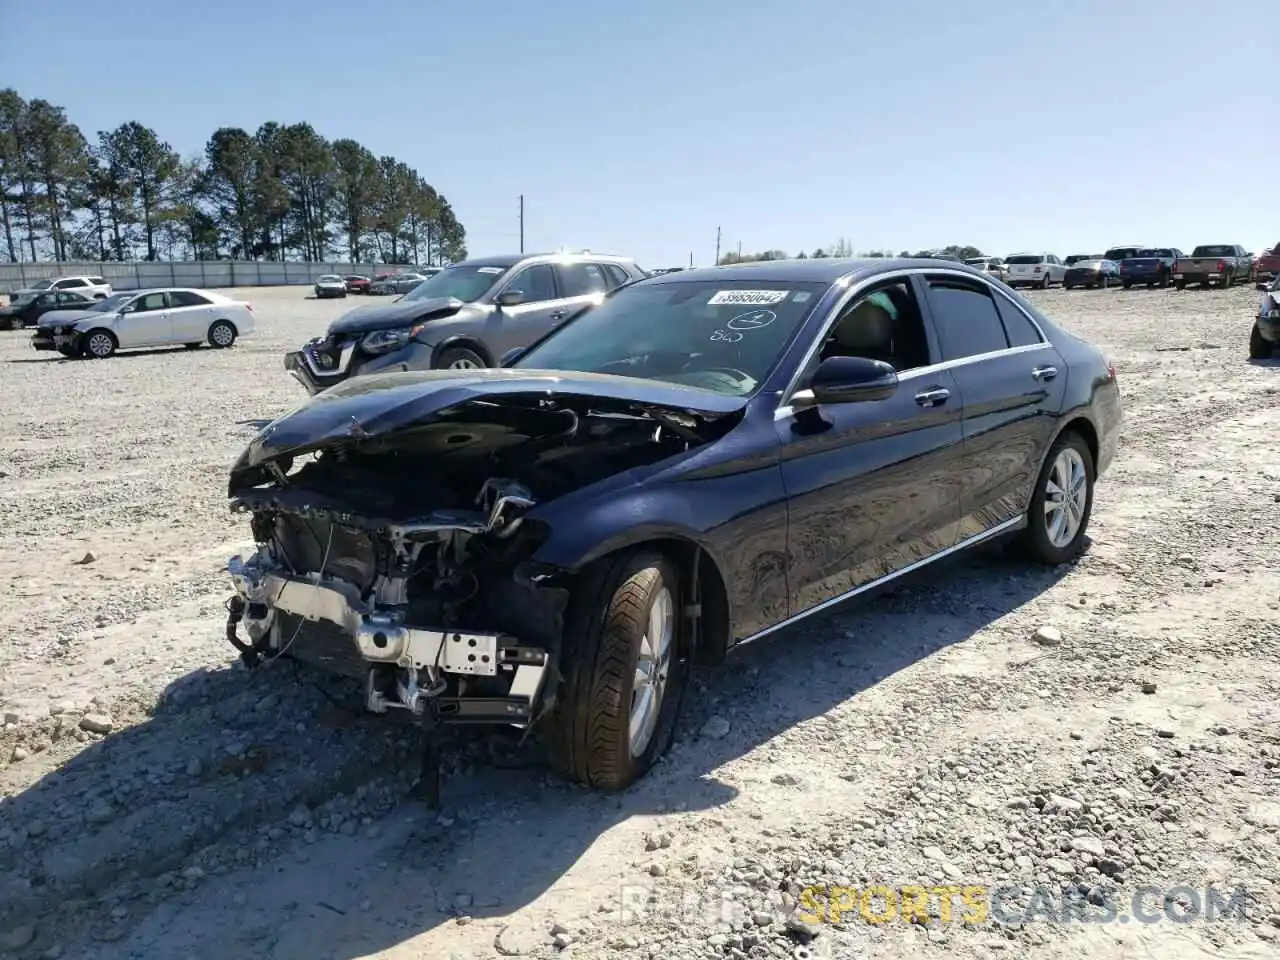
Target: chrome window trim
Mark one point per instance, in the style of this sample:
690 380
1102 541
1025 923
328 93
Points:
785 409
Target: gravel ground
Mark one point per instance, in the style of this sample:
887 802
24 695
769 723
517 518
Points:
1108 725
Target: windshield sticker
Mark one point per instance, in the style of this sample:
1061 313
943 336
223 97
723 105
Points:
488 269
749 298
801 297
753 320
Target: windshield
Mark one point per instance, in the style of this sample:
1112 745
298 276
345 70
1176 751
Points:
330 278
1024 258
112 303
42 285
465 282
22 298
1122 253
718 335
1215 250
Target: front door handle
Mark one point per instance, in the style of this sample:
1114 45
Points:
1044 373
933 397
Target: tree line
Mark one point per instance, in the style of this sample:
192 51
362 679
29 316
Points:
283 192
842 248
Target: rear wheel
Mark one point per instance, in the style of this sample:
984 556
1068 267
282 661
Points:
1061 504
1126 284
222 334
1044 282
626 667
1226 280
1260 348
1180 285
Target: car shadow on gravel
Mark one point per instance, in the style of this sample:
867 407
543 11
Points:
262 814
126 355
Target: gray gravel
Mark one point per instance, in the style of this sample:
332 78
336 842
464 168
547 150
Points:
1101 727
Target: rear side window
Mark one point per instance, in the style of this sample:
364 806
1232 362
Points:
185 298
98 281
967 319
617 276
581 279
1019 331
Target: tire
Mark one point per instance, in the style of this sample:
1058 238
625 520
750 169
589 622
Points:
1127 284
1180 285
1226 281
460 358
192 346
1260 348
12 323
1044 282
589 731
1038 542
99 344
66 352
1163 281
222 334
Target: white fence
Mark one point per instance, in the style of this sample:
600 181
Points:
197 273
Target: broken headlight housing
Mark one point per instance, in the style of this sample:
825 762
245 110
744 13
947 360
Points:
384 341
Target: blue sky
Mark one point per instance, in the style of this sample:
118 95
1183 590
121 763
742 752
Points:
640 127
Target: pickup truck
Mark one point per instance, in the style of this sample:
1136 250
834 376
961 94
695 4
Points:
1151 266
1267 267
1220 263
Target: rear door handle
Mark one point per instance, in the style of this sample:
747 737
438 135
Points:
933 397
1044 373
557 315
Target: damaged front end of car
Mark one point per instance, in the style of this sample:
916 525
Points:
402 551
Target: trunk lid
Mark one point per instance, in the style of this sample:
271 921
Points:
376 405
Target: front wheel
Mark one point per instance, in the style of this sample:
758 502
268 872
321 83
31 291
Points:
1180 285
626 667
99 345
460 358
1061 503
1260 348
222 334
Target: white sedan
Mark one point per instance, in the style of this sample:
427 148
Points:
330 285
135 319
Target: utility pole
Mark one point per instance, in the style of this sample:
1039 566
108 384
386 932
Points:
522 223
739 249
717 260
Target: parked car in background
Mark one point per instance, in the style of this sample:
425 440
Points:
1077 257
27 308
994 266
466 316
1214 263
330 285
396 283
162 317
1152 266
1034 270
1267 266
95 288
1101 273
1121 253
356 283
700 460
1264 338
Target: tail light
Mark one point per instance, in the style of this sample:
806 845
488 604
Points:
1111 368
1222 266
1035 269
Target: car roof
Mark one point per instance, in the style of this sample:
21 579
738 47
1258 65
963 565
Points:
511 259
812 270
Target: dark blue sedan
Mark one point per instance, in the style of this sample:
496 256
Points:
697 461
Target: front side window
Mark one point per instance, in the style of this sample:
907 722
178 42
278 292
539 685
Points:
967 319
150 301
717 335
537 283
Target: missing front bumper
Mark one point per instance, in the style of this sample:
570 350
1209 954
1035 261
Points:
458 676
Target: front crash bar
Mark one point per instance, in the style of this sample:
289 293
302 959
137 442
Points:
380 638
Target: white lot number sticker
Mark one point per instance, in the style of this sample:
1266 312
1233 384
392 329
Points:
750 298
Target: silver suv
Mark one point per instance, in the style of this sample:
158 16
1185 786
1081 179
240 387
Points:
468 315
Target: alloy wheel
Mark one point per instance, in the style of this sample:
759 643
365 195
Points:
1066 497
653 667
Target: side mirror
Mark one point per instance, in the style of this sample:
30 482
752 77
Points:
848 380
510 298
511 356
128 308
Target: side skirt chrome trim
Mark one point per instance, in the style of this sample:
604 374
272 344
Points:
1011 524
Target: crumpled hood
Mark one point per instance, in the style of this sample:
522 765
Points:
398 314
378 404
60 318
